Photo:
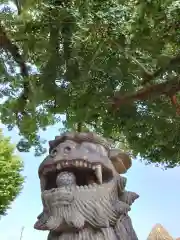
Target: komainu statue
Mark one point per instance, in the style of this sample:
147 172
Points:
83 193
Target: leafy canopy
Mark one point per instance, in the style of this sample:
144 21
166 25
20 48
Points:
11 179
110 65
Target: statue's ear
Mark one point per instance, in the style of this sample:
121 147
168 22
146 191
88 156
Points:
120 160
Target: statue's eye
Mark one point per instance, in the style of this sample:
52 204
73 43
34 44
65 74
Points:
67 149
53 152
91 147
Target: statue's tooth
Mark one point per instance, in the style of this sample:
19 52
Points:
94 185
89 165
43 183
85 158
98 172
58 166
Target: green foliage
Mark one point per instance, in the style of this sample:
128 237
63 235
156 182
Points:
10 174
84 51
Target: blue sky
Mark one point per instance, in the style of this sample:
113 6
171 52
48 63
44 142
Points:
158 203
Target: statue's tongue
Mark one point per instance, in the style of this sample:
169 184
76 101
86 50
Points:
66 179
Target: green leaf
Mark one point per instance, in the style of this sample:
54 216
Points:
11 179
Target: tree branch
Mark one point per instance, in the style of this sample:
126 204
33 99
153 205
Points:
147 75
18 5
150 76
51 67
168 88
7 45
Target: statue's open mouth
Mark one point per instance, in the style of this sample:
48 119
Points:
84 172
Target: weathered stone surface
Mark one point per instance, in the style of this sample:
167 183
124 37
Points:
83 195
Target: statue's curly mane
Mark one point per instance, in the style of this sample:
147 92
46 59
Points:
79 137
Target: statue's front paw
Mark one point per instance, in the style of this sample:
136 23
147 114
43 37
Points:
40 225
121 207
76 221
129 197
53 223
41 222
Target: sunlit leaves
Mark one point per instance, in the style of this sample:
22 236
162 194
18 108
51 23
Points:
81 52
10 174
